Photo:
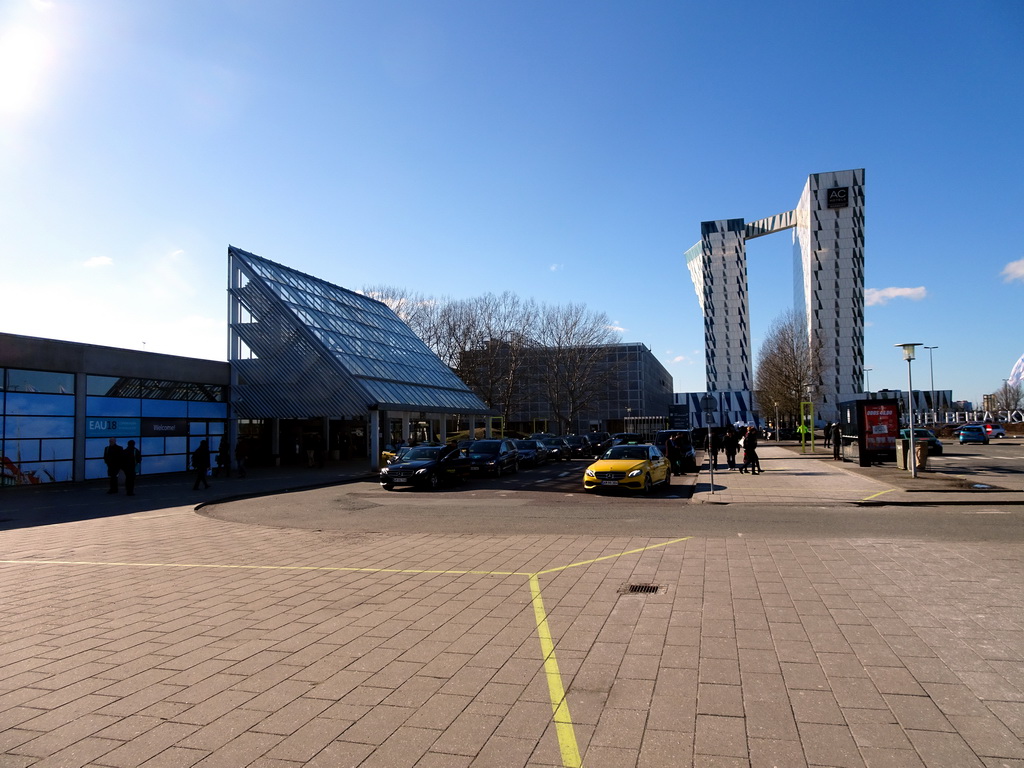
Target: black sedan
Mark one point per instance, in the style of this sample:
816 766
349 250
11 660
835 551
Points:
558 449
532 453
425 467
492 457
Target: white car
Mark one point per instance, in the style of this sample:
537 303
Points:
994 430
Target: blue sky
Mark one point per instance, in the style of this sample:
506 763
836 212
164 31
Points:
565 151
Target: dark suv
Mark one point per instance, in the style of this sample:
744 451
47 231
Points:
492 456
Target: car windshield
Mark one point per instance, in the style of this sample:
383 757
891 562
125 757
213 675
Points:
636 452
552 442
419 454
526 445
574 440
484 447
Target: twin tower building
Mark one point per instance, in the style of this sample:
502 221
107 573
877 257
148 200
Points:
828 273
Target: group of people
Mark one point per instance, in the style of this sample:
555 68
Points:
675 450
122 461
128 460
732 442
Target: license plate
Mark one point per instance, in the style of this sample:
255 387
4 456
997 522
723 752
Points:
474 469
609 482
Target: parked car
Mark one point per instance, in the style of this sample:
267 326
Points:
532 453
662 437
934 444
580 445
995 430
957 430
558 449
972 433
495 456
630 466
429 466
601 441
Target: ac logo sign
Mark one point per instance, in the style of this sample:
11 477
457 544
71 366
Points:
838 197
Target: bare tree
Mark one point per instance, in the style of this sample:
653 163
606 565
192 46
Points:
1008 397
574 370
789 362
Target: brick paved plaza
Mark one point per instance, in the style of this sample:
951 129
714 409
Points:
164 637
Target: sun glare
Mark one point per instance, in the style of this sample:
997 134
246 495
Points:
25 54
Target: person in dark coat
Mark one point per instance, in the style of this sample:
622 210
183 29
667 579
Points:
130 458
201 463
837 442
112 458
730 444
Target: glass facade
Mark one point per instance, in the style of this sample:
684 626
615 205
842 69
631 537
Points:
301 346
166 419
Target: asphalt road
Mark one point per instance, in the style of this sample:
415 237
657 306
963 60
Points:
1001 462
550 501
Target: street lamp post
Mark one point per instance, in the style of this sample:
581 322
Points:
867 380
931 369
908 355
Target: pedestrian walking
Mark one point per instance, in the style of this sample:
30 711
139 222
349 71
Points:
112 458
130 459
201 465
730 444
837 442
828 435
673 454
223 458
750 458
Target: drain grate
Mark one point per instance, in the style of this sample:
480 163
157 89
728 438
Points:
640 589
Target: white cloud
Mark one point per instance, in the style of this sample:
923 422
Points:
877 296
1013 271
98 261
681 359
556 267
615 327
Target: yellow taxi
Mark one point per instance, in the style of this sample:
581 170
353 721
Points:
633 466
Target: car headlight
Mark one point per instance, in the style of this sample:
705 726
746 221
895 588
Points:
590 472
421 471
383 470
635 472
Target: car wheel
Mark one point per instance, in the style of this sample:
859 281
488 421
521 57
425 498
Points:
497 471
388 486
647 485
668 479
435 482
515 467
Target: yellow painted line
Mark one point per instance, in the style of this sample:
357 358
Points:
561 717
876 495
265 567
556 691
612 557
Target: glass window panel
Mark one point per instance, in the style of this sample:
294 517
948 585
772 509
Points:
152 465
100 386
216 428
24 427
152 446
197 429
21 450
176 445
57 450
48 471
95 468
40 405
171 408
208 410
40 381
112 406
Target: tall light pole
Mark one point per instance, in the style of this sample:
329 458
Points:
931 369
908 355
867 380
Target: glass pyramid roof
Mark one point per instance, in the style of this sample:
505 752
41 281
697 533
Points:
353 352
